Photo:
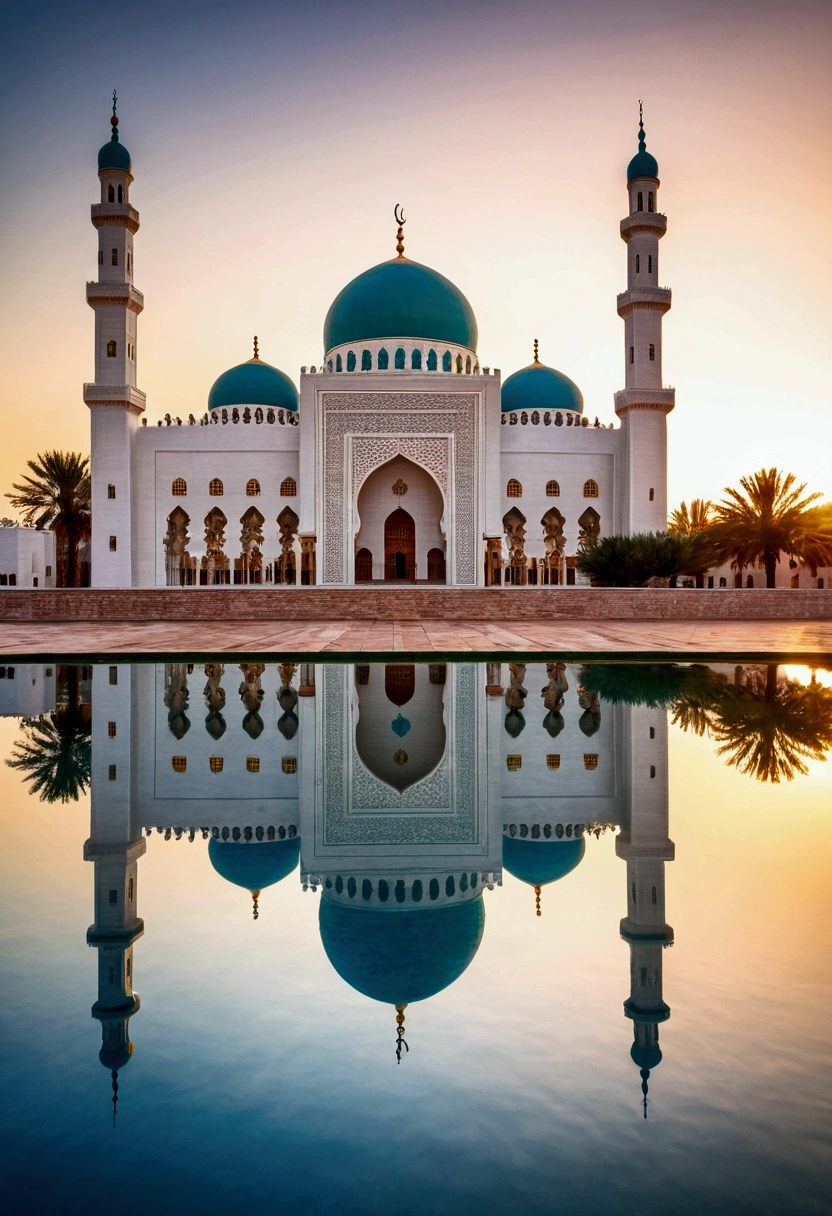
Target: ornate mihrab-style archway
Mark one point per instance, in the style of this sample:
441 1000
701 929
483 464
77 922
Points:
400 734
399 524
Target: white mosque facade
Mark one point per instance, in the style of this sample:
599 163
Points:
402 456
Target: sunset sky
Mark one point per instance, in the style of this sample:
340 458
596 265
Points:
271 141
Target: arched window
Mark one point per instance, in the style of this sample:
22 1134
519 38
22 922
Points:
179 488
514 489
416 360
638 263
459 365
364 574
446 361
650 262
432 361
632 354
111 194
111 490
653 898
400 359
215 487
590 489
121 194
652 494
650 200
288 488
101 257
179 763
590 760
383 360
252 488
652 353
640 205
468 366
351 361
252 764
339 366
111 350
215 764
115 257
552 489
366 361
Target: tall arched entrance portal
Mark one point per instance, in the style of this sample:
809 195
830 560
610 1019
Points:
400 535
399 546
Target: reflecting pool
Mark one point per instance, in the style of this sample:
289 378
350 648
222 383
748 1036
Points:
450 938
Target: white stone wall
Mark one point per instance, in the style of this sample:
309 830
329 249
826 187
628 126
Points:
470 361
644 442
113 429
28 553
534 455
234 453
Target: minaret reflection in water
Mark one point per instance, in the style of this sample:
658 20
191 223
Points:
402 790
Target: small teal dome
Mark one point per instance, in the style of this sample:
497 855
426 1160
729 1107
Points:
253 383
646 1057
538 387
254 864
538 862
401 956
400 299
642 164
115 156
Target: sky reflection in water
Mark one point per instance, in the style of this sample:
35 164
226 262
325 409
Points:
264 1067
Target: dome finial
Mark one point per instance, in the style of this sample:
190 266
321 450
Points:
537 901
114 119
114 1076
641 141
535 351
645 1073
401 221
256 348
255 895
400 1032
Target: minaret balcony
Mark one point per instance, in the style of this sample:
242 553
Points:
644 221
662 400
115 213
643 297
115 293
122 395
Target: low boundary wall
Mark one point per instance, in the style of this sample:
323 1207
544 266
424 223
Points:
499 604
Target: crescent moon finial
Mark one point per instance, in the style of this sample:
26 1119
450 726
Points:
401 221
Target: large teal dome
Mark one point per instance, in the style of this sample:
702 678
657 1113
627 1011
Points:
401 956
400 299
254 864
538 387
253 383
538 862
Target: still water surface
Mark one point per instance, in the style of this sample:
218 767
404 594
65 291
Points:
443 938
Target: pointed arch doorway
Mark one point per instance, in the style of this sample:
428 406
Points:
399 545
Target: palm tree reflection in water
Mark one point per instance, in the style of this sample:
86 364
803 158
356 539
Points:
56 750
767 726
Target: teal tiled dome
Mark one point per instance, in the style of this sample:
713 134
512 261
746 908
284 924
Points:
254 864
538 387
253 383
398 956
114 155
400 299
642 164
538 862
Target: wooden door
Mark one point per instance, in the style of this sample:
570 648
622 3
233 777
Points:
399 546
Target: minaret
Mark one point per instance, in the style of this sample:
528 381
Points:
645 846
115 845
644 404
115 402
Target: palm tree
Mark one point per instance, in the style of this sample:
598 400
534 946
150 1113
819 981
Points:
771 518
698 519
56 752
629 561
58 497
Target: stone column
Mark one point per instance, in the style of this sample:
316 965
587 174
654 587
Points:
493 560
307 559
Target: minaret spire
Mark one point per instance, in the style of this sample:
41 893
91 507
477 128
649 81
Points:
400 1032
537 901
401 221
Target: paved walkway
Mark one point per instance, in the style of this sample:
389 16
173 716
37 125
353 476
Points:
450 639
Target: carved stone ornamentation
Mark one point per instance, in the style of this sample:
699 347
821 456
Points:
399 487
514 522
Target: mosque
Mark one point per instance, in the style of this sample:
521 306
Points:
398 795
401 457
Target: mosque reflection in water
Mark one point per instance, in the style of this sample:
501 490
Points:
397 795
